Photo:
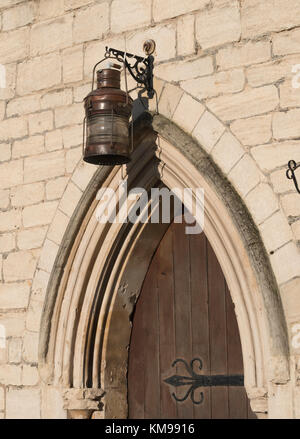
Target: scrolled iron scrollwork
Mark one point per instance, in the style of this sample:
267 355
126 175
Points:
140 68
290 173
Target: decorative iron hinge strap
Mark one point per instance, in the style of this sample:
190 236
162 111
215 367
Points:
195 380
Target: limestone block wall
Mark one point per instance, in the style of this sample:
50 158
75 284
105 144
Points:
226 72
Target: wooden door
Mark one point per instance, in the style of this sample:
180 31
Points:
185 357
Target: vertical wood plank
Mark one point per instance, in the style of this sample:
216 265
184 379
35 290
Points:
183 330
199 316
151 340
165 284
218 339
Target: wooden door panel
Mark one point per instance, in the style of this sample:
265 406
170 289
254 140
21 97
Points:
184 312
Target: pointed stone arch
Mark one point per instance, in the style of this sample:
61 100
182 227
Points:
85 326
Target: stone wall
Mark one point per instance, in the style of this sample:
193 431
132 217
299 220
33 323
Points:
224 73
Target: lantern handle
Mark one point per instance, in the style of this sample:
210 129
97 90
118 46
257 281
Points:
99 62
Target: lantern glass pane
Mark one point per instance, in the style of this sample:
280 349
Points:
107 128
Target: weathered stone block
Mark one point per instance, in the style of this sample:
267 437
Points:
34 314
19 266
285 272
274 155
32 238
283 233
5 152
252 52
24 105
270 15
254 130
30 146
11 174
137 13
272 71
245 175
10 374
83 175
50 9
290 204
4 198
27 194
289 96
291 302
13 128
39 214
73 157
169 99
279 181
184 70
72 136
53 140
218 25
30 376
230 81
48 255
164 10
286 124
40 122
7 242
285 43
10 220
69 115
58 227
39 285
15 350
55 188
208 131
14 323
227 152
52 35
14 45
30 347
188 112
14 295
57 98
91 23
39 73
23 404
186 36
249 102
44 166
70 199
261 202
18 16
72 64
81 92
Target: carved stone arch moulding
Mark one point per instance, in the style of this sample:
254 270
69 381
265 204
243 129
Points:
94 284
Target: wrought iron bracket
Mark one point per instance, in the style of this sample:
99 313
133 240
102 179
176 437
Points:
141 69
196 380
290 173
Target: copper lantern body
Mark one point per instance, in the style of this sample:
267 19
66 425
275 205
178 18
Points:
107 139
